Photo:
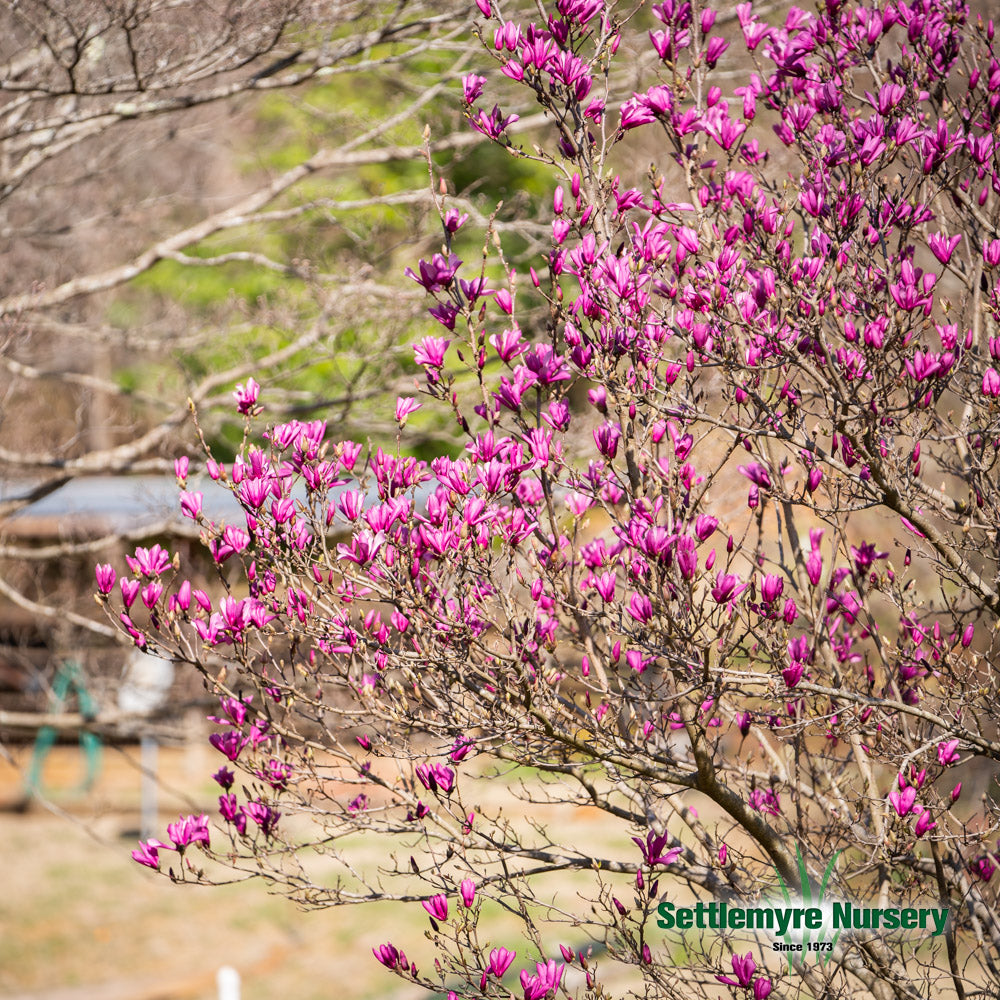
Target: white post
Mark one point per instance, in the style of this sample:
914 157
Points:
144 688
229 983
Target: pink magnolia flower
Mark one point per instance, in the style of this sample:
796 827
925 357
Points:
500 961
148 853
453 219
387 954
726 587
436 273
229 743
924 823
437 907
943 246
468 892
982 866
771 588
430 352
902 801
105 577
546 979
191 504
405 405
743 968
765 800
130 590
704 526
436 777
149 562
264 816
189 830
653 852
246 396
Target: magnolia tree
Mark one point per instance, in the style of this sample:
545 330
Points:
715 561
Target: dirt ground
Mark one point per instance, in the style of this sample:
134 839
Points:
79 920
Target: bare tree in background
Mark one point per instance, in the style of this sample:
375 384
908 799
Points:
122 130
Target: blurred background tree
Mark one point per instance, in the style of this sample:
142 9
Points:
190 194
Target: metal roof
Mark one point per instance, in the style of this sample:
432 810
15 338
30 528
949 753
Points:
92 506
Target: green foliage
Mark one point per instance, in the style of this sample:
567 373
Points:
374 238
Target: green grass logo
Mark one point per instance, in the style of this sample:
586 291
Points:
809 901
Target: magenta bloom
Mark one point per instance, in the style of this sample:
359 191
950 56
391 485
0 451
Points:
472 87
547 978
765 800
687 556
405 405
704 526
924 823
725 587
947 752
814 567
191 504
606 437
983 867
149 562
246 396
653 852
105 577
792 674
435 273
224 777
453 220
189 830
636 112
640 608
500 961
468 892
743 968
430 352
263 815
493 124
771 588
943 246
387 954
757 474
148 853
902 801
991 382
435 776
762 988
437 907
229 743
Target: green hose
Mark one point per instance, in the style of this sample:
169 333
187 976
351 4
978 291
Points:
69 678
